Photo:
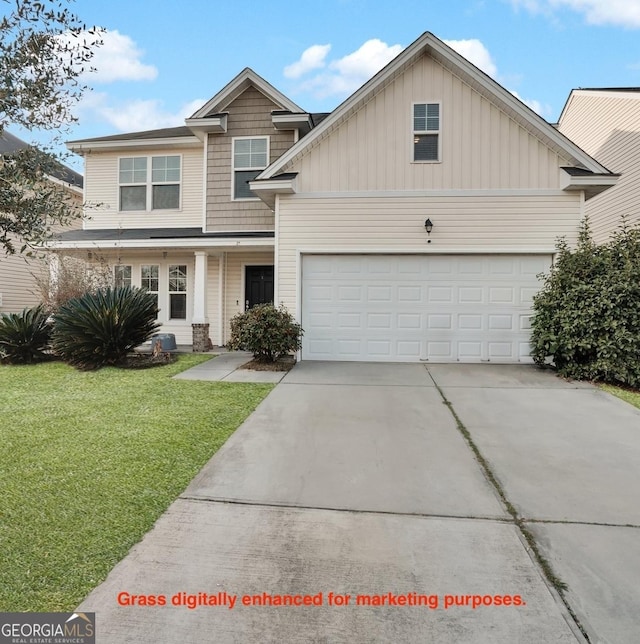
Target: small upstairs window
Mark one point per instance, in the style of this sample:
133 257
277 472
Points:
426 132
250 158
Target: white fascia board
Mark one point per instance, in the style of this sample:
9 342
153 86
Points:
84 147
211 125
424 43
431 249
300 121
77 189
237 85
173 243
267 190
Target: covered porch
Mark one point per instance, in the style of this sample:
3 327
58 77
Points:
201 280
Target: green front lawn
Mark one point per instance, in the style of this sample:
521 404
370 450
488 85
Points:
631 396
90 460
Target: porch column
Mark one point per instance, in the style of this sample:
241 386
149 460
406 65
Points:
199 322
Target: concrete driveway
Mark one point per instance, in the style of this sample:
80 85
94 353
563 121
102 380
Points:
352 488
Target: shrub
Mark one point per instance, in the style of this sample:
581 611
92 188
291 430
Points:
24 337
587 315
102 327
269 332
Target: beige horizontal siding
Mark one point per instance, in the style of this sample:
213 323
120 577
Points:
607 126
19 283
101 193
482 147
477 224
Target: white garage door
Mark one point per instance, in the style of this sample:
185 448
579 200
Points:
407 308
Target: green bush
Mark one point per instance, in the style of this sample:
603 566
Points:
24 337
587 315
269 332
100 328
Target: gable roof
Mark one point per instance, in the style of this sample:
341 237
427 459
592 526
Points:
477 79
632 93
245 79
10 143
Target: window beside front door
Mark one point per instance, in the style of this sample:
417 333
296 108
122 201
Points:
150 279
178 292
122 275
258 285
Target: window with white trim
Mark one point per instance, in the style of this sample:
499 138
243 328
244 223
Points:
122 275
150 279
178 292
149 183
426 131
250 158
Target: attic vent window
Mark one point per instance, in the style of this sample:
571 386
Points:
426 132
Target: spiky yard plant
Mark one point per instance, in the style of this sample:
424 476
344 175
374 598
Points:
24 337
100 328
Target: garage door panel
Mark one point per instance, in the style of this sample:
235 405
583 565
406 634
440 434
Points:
412 308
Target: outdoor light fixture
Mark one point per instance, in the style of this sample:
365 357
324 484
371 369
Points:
428 226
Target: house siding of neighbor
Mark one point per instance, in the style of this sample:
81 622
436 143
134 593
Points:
19 274
334 223
606 124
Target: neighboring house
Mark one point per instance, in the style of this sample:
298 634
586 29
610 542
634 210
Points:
605 122
18 287
255 199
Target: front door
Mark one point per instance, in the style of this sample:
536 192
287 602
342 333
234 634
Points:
258 285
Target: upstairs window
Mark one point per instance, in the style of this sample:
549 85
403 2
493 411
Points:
250 158
426 132
150 183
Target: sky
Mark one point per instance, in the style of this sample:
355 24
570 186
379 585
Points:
160 61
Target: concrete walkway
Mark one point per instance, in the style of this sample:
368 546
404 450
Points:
353 486
226 366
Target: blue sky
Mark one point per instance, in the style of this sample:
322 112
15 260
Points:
161 60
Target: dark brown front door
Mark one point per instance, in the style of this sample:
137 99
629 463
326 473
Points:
258 285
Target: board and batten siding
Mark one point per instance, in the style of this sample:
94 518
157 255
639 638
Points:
482 146
474 224
249 115
607 126
102 193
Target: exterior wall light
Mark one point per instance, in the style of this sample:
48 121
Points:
428 226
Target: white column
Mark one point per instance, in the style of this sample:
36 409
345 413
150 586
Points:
200 289
221 295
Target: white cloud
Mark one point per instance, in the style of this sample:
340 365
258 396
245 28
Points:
312 58
475 52
346 74
622 13
136 115
119 59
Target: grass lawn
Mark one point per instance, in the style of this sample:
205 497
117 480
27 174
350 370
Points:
629 395
90 460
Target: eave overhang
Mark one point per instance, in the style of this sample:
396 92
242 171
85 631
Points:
592 184
267 189
214 124
300 121
86 147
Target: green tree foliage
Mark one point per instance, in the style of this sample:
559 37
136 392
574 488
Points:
269 332
587 315
24 337
44 51
100 328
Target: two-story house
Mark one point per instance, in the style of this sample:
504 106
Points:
605 122
409 224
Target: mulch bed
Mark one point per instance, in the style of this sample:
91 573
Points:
284 364
147 360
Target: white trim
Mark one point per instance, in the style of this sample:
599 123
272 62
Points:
431 250
73 188
149 184
438 132
172 243
221 297
239 84
429 43
204 126
205 182
251 169
200 274
276 251
412 194
86 147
